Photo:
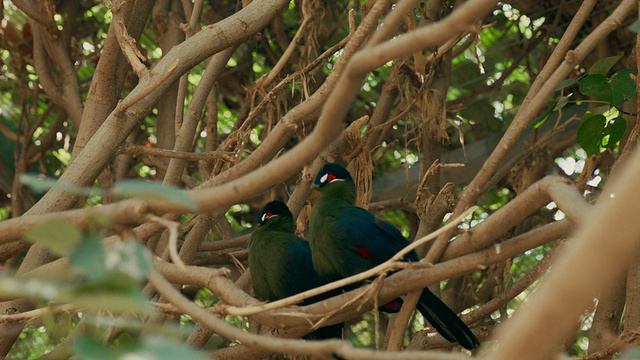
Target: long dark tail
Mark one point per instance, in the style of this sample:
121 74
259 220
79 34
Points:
327 332
446 322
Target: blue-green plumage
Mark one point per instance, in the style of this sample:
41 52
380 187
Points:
346 240
280 262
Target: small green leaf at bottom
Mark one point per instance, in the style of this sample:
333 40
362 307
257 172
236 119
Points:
59 236
147 348
153 192
165 349
89 258
89 349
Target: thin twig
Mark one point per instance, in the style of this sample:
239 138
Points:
271 95
322 349
127 43
172 226
130 100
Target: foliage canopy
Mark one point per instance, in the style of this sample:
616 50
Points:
141 112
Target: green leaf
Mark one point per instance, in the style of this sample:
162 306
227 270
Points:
118 293
155 348
89 258
595 85
58 326
567 83
619 88
59 236
590 133
631 353
542 118
89 349
596 110
603 66
33 288
116 302
165 349
613 132
596 133
635 27
562 102
41 184
153 192
624 87
131 258
113 282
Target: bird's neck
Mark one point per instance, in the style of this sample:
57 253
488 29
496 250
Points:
338 194
282 223
277 223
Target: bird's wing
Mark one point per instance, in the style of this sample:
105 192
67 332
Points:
372 238
276 259
293 271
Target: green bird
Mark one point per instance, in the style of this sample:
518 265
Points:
280 263
346 240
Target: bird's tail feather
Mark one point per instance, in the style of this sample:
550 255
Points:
446 322
327 332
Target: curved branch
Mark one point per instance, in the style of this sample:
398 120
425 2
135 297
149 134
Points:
314 348
129 148
29 8
343 307
460 20
65 91
127 43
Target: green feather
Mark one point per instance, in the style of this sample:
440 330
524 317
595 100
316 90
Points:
331 256
270 248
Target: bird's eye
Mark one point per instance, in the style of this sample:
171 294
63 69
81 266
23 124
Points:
267 216
327 178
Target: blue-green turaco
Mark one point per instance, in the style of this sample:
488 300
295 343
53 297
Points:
346 240
280 263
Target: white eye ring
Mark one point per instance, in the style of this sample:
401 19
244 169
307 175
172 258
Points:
265 217
323 179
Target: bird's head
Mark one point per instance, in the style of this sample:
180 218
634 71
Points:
272 209
331 172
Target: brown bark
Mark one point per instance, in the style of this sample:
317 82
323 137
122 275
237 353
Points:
167 17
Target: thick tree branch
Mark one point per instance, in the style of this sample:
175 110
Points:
185 133
129 148
544 85
128 44
321 348
588 265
